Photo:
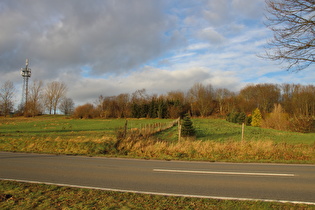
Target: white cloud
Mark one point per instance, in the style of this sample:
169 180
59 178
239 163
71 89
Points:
212 36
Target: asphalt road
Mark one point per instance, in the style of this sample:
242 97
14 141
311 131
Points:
294 183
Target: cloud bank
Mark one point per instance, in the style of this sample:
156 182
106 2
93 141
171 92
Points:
109 47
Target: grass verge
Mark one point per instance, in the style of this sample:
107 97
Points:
17 195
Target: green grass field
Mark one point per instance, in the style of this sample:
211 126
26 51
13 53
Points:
216 140
221 130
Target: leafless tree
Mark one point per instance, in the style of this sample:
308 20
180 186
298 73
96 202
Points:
201 99
6 98
54 92
66 106
221 95
262 96
293 25
34 104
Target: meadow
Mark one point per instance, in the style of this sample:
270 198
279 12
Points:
216 140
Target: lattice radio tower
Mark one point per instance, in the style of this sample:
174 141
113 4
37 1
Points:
26 73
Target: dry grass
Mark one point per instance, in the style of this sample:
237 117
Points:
247 151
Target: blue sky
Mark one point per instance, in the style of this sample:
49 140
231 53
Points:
108 47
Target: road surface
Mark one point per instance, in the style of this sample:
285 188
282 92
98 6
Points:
280 182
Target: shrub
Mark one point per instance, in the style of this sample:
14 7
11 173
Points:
278 119
241 118
248 120
232 117
302 124
86 111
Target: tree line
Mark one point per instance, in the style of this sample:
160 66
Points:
204 101
41 99
199 101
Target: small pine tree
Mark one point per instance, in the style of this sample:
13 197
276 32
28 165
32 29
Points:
241 118
256 118
187 127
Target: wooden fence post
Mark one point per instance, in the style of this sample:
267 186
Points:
125 129
179 130
243 128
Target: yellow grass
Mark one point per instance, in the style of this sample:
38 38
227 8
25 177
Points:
261 151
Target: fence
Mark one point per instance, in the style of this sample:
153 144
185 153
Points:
147 130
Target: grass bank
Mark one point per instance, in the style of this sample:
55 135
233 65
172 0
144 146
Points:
217 140
15 195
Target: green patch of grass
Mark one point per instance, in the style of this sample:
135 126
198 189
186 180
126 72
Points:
17 195
221 130
217 140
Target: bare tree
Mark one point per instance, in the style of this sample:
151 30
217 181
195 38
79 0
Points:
201 99
6 98
34 102
293 25
221 95
66 106
54 92
263 96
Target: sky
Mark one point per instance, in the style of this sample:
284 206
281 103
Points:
109 47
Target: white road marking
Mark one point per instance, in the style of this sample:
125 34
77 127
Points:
221 172
163 194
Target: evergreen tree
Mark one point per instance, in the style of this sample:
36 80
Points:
256 118
241 118
187 127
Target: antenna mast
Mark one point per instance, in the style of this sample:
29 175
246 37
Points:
26 73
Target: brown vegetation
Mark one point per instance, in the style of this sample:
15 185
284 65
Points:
262 151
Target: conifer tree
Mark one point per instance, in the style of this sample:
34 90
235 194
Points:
187 127
256 118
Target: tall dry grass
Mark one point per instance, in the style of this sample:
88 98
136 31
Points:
246 151
233 151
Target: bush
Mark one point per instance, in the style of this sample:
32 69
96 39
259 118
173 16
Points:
232 117
241 118
278 119
248 120
86 111
302 124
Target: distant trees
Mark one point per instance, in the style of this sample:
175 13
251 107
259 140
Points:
66 106
53 93
34 105
40 97
202 100
263 96
176 104
296 102
7 91
224 99
86 111
292 22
